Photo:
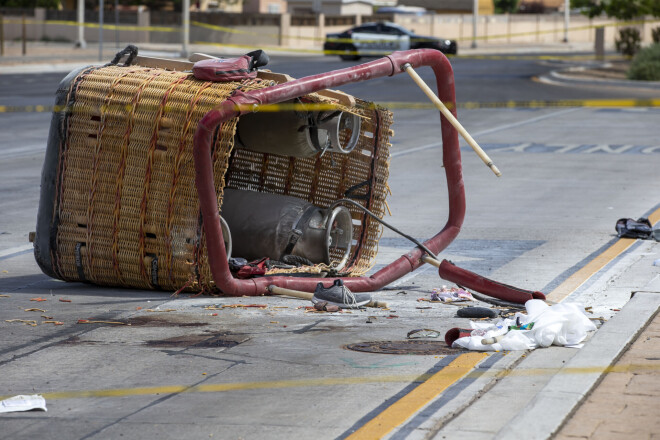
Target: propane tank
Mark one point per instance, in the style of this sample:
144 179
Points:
298 134
273 226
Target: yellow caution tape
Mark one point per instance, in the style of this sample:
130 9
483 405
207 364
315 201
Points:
120 27
297 37
319 107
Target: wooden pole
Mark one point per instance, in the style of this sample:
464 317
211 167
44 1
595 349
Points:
308 296
452 120
430 260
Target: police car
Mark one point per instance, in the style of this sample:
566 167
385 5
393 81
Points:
376 39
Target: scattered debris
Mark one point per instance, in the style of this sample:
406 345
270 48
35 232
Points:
329 309
87 321
371 319
453 294
542 326
2 295
422 333
326 307
477 312
392 316
160 311
31 322
236 306
629 228
23 403
53 322
36 310
65 300
38 299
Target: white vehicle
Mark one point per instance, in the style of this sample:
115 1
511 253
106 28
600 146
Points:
376 39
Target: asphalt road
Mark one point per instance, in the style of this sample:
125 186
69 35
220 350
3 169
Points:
568 175
477 80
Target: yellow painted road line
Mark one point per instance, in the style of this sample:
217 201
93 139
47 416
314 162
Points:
242 386
591 103
572 283
407 406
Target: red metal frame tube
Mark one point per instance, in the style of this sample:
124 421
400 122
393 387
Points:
239 104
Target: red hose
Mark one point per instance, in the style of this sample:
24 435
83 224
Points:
388 66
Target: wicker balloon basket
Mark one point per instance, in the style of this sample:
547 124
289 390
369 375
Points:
119 205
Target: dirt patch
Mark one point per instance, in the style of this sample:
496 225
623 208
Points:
160 321
224 340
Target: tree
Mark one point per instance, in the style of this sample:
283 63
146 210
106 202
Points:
629 41
621 9
505 6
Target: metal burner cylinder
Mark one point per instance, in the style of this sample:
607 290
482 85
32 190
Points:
298 134
273 226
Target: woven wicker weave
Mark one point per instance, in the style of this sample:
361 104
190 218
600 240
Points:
127 211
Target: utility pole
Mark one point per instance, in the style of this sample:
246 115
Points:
567 17
117 24
185 16
81 43
101 6
475 19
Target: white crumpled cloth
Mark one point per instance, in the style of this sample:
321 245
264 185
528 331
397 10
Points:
560 324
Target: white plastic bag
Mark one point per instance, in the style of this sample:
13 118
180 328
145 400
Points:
561 324
23 403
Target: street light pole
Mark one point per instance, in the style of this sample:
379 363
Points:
81 24
101 7
567 15
475 19
186 28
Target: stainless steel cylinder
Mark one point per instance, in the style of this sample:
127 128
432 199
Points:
298 134
226 235
272 225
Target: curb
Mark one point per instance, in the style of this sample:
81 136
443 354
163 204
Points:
563 394
564 78
48 63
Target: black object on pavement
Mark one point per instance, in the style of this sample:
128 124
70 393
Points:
629 228
477 312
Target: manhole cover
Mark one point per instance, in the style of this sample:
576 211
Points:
404 347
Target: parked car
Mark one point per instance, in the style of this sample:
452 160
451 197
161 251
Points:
375 39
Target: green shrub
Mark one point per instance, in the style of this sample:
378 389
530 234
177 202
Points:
629 41
506 6
655 34
646 64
